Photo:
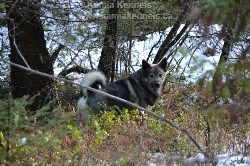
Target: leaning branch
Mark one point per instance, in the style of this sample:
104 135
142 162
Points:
151 50
150 113
165 44
77 69
14 42
56 53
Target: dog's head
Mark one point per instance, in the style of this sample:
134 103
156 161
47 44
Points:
154 76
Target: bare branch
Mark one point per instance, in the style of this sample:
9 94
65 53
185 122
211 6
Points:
77 69
6 16
62 44
165 44
178 36
14 42
56 53
151 50
90 60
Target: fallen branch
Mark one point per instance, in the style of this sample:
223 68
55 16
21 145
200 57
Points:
150 113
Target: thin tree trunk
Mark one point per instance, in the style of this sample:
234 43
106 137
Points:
217 78
228 42
108 54
169 41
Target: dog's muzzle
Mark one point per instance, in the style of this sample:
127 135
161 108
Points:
157 85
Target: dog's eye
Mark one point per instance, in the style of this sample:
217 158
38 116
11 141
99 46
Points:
160 74
151 75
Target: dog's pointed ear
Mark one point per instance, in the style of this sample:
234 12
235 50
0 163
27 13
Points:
145 65
163 64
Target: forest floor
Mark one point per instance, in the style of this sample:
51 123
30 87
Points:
128 139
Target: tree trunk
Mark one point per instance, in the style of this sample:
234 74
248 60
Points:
217 78
108 54
228 42
171 39
26 36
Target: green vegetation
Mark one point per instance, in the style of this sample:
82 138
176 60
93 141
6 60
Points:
54 137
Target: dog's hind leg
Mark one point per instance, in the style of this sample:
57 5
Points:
81 110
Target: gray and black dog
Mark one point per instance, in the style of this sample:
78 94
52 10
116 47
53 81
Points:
143 87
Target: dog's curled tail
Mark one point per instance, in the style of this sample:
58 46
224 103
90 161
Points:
93 79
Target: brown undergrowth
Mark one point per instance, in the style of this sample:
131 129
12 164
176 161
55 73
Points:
124 139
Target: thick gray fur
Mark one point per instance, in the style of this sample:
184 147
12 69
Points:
143 87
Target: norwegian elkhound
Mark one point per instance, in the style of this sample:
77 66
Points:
142 87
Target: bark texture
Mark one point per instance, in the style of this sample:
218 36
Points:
108 54
27 42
